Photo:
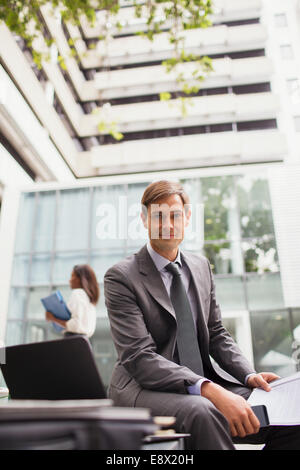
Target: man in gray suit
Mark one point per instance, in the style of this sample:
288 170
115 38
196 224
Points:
166 326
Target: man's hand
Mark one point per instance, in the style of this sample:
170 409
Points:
242 420
262 380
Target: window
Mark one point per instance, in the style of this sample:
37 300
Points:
272 341
257 125
280 20
297 123
252 88
293 87
72 226
240 22
286 52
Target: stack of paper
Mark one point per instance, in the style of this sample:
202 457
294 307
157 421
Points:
73 409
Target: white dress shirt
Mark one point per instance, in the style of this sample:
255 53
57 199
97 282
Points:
83 314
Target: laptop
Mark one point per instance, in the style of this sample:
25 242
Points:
63 369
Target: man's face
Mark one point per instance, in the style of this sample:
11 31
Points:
166 220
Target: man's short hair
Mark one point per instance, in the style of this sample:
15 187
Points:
161 189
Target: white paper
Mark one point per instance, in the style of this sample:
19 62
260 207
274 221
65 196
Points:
282 402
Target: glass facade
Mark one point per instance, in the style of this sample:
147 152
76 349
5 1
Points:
231 224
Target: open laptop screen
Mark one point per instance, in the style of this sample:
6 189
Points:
63 369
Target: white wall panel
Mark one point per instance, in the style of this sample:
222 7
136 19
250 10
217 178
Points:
132 49
154 79
39 148
223 10
203 110
204 150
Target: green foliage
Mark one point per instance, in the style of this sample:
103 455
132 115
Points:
110 128
251 200
165 96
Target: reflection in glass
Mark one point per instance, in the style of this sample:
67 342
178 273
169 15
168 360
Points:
14 333
295 312
272 342
255 207
36 332
44 222
230 325
25 223
17 303
73 220
137 234
2 381
236 223
21 270
194 233
64 263
109 217
52 333
230 293
260 255
101 262
64 290
103 349
40 269
101 307
264 291
35 306
224 257
219 201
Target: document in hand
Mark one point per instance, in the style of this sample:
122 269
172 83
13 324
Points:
282 402
55 304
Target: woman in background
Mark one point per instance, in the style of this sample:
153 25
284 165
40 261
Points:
82 303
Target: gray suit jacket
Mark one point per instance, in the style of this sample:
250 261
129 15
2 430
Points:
143 326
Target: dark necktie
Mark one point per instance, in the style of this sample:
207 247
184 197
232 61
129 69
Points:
187 342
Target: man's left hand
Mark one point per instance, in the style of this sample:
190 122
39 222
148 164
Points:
262 380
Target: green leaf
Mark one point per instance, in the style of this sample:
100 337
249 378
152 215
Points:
102 127
165 96
61 62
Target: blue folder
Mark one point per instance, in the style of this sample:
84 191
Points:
55 304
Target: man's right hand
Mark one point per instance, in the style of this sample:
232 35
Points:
242 420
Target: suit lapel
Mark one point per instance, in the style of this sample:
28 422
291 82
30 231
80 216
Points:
152 280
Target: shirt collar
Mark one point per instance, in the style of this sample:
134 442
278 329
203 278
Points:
160 261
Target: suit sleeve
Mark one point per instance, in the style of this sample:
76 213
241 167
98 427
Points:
222 347
135 346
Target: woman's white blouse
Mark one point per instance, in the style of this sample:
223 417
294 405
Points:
83 314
